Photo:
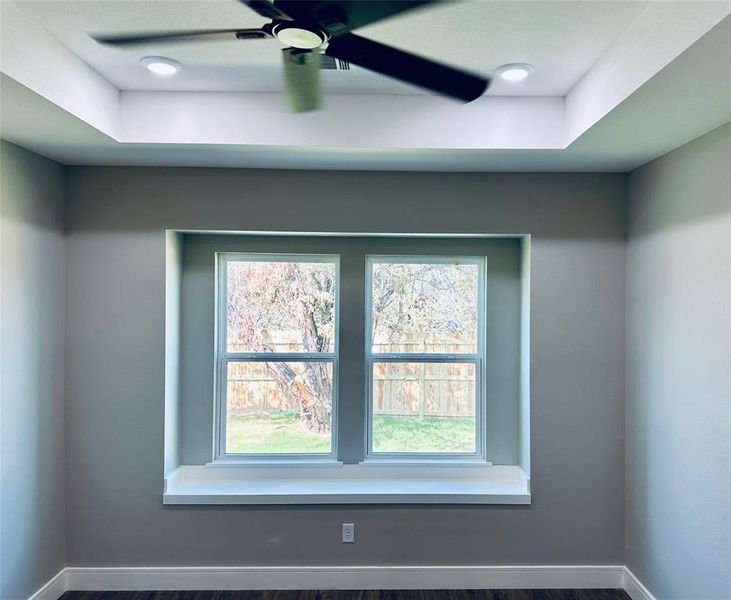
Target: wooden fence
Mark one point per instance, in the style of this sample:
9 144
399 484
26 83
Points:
415 389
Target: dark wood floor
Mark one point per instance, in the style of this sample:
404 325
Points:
358 595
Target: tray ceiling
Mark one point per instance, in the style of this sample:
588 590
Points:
615 84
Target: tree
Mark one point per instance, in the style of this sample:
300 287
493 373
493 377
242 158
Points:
277 304
424 302
290 307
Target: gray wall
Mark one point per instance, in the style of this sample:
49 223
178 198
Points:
678 463
115 366
32 277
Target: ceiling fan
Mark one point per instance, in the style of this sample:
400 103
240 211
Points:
309 27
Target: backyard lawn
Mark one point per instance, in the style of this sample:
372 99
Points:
284 432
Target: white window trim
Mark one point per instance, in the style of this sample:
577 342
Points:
222 357
478 358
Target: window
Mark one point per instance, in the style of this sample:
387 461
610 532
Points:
425 355
411 372
276 355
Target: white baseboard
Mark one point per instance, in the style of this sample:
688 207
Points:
635 588
343 577
53 589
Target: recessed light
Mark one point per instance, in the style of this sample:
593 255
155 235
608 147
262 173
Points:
515 71
161 66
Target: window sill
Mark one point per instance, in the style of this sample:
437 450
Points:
299 463
424 464
347 484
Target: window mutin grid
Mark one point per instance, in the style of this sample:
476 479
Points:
477 358
223 357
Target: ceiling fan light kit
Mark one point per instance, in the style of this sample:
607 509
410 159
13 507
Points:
296 37
309 26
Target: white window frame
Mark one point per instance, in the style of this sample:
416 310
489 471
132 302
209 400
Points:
478 358
223 357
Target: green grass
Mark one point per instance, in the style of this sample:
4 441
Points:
426 434
285 433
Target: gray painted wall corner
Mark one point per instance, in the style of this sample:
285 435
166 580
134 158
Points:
32 371
678 397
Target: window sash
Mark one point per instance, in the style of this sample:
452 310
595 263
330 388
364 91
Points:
279 356
478 359
223 357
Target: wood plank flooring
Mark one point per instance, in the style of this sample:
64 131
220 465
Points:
356 595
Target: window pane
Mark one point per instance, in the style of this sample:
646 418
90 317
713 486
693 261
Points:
424 407
422 307
280 306
278 407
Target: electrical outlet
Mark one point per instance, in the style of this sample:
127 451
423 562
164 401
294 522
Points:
348 533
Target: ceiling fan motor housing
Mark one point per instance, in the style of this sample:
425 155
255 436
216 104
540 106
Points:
301 79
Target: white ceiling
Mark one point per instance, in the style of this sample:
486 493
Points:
562 39
616 84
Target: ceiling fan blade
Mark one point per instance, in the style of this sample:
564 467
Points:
182 36
267 9
410 68
301 79
351 13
